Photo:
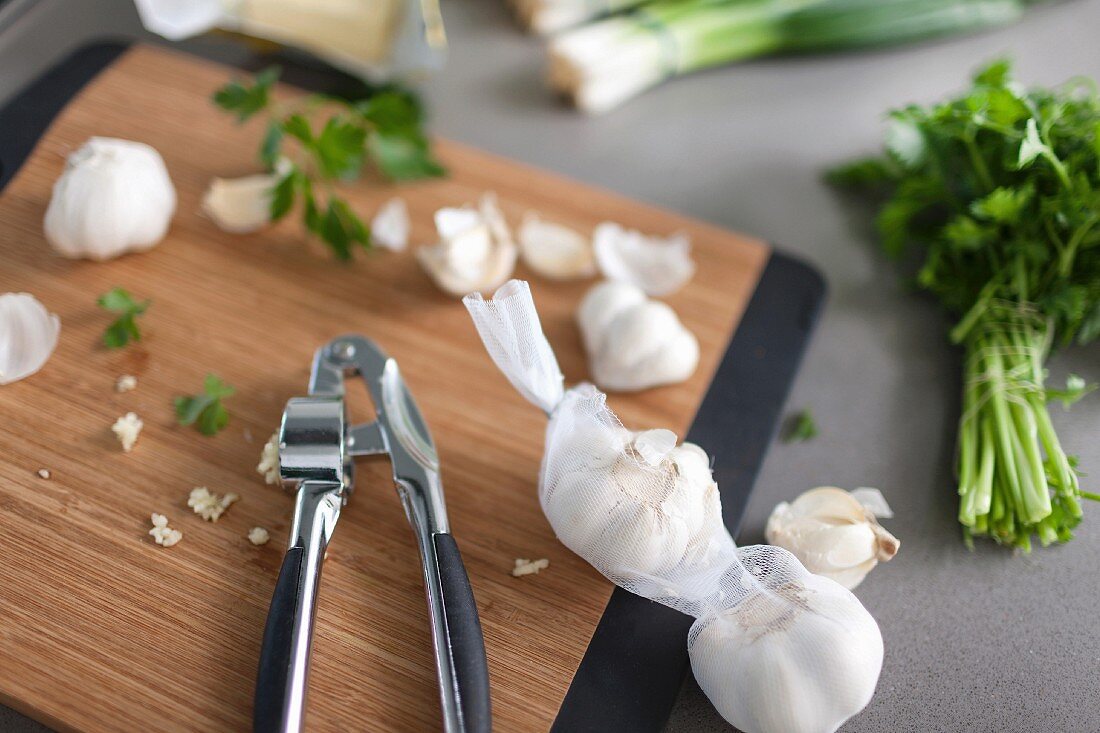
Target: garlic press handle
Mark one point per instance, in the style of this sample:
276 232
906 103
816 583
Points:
279 702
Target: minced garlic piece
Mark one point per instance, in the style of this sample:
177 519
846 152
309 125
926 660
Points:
44 473
529 567
209 505
126 383
258 536
162 533
126 429
269 461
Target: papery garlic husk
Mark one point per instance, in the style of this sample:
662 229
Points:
792 653
390 226
114 196
634 343
555 251
659 266
243 205
833 534
476 251
28 336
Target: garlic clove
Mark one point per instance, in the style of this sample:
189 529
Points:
177 20
634 343
390 226
659 266
475 252
114 196
28 336
240 205
555 251
873 501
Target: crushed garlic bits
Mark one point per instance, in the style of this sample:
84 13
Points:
209 505
43 473
126 383
162 533
269 461
126 429
258 536
529 567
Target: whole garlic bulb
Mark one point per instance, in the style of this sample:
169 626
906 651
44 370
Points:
659 266
634 343
28 335
833 533
475 252
114 196
555 251
798 654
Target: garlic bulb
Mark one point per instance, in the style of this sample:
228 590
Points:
632 342
833 533
390 226
797 654
657 266
114 197
28 335
555 251
475 251
243 205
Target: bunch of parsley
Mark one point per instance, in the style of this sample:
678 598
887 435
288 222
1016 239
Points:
996 194
383 129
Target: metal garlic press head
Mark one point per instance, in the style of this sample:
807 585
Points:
317 448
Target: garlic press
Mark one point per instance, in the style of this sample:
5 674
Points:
317 448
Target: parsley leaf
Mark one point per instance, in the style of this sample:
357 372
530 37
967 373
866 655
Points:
801 427
246 100
124 329
205 411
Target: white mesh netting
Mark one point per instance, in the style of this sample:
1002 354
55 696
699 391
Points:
774 647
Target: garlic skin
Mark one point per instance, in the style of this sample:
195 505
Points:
114 197
390 226
28 336
554 251
476 251
659 266
833 534
634 343
798 654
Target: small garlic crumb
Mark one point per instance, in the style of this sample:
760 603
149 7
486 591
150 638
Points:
209 505
43 473
258 536
162 533
247 435
126 429
269 461
529 567
125 383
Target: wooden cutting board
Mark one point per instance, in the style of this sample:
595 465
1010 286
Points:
101 629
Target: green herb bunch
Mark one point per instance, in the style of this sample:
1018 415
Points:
332 139
996 193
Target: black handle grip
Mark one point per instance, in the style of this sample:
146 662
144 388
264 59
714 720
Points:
466 641
271 680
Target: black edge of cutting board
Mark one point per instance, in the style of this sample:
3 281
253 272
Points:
630 676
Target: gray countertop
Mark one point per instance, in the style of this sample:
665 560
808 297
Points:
980 640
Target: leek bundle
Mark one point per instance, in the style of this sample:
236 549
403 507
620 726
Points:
601 65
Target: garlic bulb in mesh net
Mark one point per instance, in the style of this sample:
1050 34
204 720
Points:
775 648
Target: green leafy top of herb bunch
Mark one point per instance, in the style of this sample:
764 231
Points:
332 139
998 191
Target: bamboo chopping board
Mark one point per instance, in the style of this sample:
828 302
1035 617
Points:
101 629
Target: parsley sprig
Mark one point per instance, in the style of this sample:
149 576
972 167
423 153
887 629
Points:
800 427
124 328
996 194
205 411
329 139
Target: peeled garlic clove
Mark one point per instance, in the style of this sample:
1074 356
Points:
832 534
240 205
390 226
555 251
634 343
114 196
805 641
475 251
28 335
659 266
